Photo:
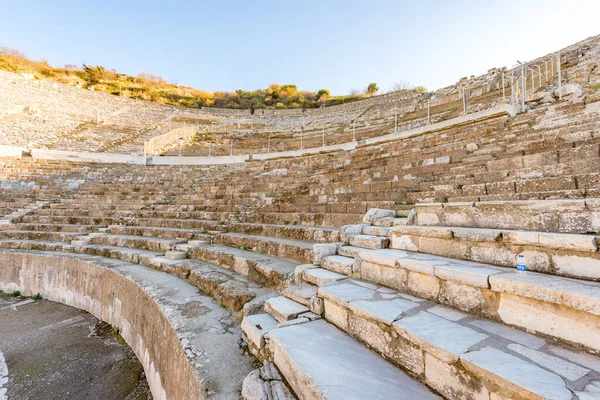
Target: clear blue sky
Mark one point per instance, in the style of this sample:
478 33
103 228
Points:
335 44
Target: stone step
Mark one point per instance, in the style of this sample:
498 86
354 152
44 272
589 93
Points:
376 231
261 268
284 309
139 242
389 222
122 253
229 289
573 255
340 264
292 250
296 232
45 227
369 241
176 255
564 308
321 362
321 276
167 233
300 293
199 224
565 216
454 352
35 235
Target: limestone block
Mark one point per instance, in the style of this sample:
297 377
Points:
283 309
477 234
377 213
467 298
446 340
370 272
350 230
467 273
512 334
576 266
444 247
395 278
552 240
299 271
346 292
317 305
385 341
340 264
176 255
404 242
428 214
449 313
369 242
428 231
336 314
493 255
321 276
254 388
321 250
557 365
452 382
572 89
422 285
384 311
256 326
551 319
515 376
580 295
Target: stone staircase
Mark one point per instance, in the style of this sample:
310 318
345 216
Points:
464 329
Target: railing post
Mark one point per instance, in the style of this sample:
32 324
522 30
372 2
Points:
428 111
503 88
523 87
559 77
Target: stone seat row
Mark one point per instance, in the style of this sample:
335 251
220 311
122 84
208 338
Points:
432 316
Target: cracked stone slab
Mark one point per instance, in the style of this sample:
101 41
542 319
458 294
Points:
284 309
256 326
320 362
386 311
469 273
509 333
580 295
557 365
321 276
525 379
346 292
448 313
444 339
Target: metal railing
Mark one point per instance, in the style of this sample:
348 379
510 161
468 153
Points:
178 136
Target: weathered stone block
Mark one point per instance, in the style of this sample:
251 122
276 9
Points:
336 314
422 285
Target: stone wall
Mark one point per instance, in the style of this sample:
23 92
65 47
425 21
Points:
115 298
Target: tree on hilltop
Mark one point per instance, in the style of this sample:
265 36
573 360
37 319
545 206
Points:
372 89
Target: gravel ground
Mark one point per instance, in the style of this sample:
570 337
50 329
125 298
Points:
53 351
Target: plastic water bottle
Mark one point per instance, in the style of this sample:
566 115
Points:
521 265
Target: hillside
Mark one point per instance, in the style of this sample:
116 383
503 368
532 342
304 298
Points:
153 88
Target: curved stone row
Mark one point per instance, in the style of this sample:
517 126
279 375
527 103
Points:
163 318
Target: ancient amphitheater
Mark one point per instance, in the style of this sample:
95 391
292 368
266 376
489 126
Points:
360 251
